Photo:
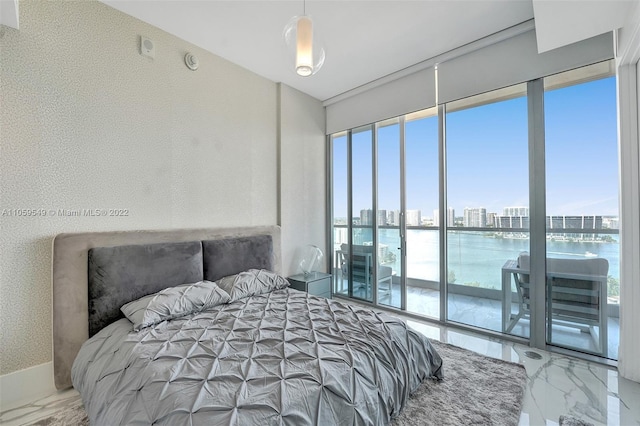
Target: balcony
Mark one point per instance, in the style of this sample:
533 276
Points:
475 261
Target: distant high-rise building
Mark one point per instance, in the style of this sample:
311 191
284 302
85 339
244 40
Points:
413 218
515 211
393 217
475 217
556 222
574 222
591 222
611 222
340 236
513 218
340 221
451 217
366 217
512 222
491 219
382 217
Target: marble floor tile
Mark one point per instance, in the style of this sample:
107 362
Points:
558 385
487 314
39 409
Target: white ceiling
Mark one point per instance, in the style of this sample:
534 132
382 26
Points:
364 40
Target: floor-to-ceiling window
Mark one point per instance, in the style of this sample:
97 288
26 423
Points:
363 214
488 189
387 239
422 216
340 215
390 222
582 209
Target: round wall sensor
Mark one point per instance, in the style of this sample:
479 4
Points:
147 47
191 61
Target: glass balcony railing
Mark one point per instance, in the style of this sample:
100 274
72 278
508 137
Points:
476 257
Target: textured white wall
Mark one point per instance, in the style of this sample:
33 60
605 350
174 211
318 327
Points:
302 175
86 122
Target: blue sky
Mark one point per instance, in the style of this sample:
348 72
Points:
487 152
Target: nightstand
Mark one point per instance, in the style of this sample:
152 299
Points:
316 283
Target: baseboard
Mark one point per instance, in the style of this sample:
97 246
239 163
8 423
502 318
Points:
26 386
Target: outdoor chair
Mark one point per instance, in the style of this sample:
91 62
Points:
576 295
362 265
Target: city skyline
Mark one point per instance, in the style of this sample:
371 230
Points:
480 218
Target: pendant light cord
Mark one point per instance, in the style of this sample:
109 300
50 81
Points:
304 7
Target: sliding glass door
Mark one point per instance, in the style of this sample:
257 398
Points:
422 214
390 283
488 195
374 231
583 249
340 212
476 211
359 263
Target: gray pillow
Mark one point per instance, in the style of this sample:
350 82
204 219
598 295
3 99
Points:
251 282
174 302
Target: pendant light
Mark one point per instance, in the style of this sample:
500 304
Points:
303 44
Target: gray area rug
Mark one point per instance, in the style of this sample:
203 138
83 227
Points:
74 414
572 421
477 390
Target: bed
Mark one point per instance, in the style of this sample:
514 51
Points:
214 335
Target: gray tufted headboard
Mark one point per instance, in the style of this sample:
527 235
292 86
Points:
96 273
